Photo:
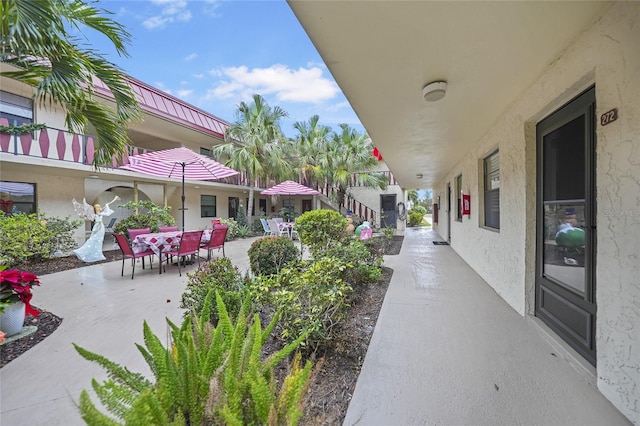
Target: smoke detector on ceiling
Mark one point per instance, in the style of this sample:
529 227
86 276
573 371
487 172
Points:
434 91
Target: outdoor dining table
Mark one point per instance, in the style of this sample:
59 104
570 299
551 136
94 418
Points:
286 227
161 242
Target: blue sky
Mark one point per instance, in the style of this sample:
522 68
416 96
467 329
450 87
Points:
214 54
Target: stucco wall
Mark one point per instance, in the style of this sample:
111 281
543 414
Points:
607 55
53 192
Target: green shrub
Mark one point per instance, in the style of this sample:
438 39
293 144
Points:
241 216
218 275
270 254
233 230
33 236
287 214
244 231
206 375
420 209
319 229
375 245
415 218
311 298
150 215
256 227
389 233
363 264
62 230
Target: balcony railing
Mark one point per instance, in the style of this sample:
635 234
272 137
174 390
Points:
61 145
50 143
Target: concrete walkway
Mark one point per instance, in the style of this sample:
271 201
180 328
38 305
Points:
447 350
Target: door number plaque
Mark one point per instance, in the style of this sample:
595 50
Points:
609 117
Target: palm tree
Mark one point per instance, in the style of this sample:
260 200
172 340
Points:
36 40
413 196
311 139
347 161
255 145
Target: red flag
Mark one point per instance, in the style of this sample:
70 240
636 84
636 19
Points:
377 154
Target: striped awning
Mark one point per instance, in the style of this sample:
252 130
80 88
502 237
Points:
289 187
170 163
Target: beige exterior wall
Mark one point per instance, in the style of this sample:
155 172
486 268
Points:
371 197
607 55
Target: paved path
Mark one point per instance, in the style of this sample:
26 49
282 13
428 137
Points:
447 350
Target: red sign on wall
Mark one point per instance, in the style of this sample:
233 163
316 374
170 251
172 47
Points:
466 204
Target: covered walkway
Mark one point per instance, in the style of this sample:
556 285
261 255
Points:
447 350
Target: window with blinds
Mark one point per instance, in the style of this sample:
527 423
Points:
459 198
207 206
492 190
17 197
16 109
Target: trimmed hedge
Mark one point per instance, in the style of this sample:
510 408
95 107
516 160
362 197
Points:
269 255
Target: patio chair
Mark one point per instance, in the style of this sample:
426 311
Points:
109 227
135 232
276 230
127 253
217 240
265 227
168 228
189 246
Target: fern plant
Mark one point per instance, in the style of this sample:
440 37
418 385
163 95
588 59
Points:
208 375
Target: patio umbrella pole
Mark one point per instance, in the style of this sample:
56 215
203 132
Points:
183 165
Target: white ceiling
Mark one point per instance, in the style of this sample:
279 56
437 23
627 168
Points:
381 54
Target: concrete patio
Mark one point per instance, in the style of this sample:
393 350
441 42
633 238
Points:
102 312
446 350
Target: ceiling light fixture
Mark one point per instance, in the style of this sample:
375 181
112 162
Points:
434 91
419 176
94 177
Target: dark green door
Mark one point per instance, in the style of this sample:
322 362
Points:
566 232
388 209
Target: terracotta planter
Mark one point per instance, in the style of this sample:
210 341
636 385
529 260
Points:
12 319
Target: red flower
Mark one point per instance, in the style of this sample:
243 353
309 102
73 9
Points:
29 278
12 276
16 286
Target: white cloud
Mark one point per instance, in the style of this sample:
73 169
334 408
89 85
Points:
191 57
304 85
184 93
210 8
338 106
172 11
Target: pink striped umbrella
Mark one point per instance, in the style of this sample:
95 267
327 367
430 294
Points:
178 162
289 187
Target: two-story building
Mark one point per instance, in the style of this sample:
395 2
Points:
524 119
45 169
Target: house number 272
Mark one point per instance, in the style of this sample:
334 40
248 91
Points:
609 117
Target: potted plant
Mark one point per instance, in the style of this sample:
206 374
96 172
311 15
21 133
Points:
15 299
